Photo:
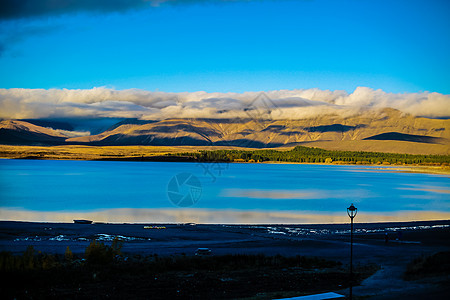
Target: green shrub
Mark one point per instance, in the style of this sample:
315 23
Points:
28 258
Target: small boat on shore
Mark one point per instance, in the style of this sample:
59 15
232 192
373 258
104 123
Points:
82 221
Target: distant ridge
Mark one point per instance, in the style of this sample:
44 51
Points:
129 122
13 137
24 133
385 131
50 124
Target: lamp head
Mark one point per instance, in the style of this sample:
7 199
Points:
352 211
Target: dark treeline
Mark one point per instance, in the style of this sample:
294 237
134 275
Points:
317 155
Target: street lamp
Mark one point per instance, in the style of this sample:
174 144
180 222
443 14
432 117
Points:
351 211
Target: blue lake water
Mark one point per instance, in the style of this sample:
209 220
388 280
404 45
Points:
83 186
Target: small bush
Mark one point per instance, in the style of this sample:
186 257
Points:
423 266
48 261
28 261
99 253
238 262
68 255
116 246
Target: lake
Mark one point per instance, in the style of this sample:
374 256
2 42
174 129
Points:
115 191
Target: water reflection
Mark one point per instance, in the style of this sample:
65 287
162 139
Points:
130 215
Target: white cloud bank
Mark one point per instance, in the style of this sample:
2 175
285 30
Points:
142 104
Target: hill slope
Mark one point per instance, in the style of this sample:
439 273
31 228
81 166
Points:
275 133
24 133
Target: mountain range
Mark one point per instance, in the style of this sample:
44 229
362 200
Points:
388 130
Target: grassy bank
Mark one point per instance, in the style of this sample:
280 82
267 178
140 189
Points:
79 152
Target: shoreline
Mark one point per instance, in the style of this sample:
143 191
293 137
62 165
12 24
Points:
422 169
216 216
445 222
175 154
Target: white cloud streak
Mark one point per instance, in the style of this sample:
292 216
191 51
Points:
283 104
71 134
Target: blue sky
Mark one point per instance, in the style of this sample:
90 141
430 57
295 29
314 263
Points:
215 46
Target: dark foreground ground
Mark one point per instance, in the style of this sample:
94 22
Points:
159 262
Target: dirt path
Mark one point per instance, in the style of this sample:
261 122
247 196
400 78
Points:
388 282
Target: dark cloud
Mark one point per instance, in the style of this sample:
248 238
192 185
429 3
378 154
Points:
12 11
15 9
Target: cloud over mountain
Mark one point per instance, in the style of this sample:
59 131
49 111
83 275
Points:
280 104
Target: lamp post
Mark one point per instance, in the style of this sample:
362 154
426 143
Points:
351 211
